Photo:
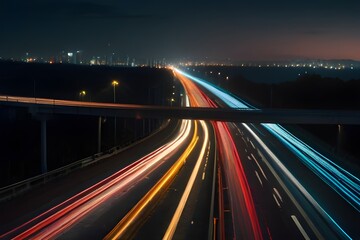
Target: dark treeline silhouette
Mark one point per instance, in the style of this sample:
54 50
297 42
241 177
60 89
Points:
62 81
306 92
71 138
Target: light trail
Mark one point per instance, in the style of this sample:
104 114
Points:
128 225
291 177
301 229
57 102
245 221
61 217
176 217
343 182
242 204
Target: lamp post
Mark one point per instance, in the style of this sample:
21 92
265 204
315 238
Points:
114 83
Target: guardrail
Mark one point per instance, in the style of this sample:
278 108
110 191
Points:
19 188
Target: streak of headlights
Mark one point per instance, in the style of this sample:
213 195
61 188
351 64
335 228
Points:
176 217
300 187
61 217
343 182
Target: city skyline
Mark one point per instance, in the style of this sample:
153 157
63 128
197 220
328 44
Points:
237 30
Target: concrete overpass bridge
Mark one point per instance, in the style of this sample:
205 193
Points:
43 108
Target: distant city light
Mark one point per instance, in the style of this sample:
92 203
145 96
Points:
112 59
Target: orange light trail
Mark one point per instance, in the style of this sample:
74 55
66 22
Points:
132 219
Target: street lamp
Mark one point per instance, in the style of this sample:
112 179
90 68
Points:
82 94
114 83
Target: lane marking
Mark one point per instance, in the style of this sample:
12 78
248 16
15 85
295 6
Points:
261 170
278 194
291 178
252 144
301 229
206 161
276 200
257 175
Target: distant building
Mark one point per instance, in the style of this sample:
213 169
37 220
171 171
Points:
63 57
71 58
79 57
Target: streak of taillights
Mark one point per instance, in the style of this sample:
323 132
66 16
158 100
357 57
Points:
132 220
246 220
242 205
59 218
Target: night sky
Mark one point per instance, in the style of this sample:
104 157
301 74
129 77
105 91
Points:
239 30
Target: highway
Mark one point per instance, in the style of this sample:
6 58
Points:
194 179
171 169
297 192
83 204
243 218
184 210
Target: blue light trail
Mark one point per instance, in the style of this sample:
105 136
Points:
343 182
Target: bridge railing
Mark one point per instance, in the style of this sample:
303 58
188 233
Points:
19 188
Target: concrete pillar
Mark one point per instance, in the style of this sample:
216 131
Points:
143 127
115 132
43 147
99 134
339 138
